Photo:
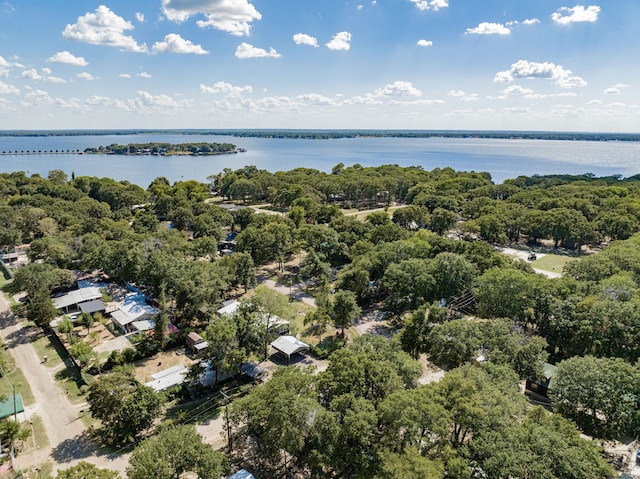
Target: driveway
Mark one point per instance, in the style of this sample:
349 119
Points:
293 291
68 441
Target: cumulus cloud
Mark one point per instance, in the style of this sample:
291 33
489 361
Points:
245 50
143 75
124 75
174 43
424 43
547 70
68 59
6 89
463 96
340 41
43 75
140 17
487 28
316 99
530 21
567 15
232 16
226 89
517 90
143 102
366 99
398 88
85 76
430 4
304 39
421 102
103 27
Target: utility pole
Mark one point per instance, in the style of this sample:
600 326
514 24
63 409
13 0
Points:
15 410
227 401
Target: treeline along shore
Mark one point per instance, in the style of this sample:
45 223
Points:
335 134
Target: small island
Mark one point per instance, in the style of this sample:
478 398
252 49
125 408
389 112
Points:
163 149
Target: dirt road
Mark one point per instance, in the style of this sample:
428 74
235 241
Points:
68 441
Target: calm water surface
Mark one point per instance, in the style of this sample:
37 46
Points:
502 158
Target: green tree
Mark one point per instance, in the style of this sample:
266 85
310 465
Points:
344 310
600 394
85 470
543 445
125 407
176 451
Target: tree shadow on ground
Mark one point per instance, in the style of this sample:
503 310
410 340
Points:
80 447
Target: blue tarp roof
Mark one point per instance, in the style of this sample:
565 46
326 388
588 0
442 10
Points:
242 474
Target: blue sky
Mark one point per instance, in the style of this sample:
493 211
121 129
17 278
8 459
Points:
383 64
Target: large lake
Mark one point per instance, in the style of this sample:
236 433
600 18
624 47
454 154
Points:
502 158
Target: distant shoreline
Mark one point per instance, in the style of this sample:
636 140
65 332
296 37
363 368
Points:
338 134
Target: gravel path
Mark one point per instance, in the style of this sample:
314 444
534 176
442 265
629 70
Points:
69 442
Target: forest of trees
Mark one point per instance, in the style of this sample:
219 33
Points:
200 148
366 415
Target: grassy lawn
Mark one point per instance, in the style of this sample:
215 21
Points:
17 379
44 347
40 472
68 384
38 438
552 262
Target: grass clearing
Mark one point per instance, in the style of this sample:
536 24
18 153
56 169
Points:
69 385
38 439
17 379
41 471
45 347
553 262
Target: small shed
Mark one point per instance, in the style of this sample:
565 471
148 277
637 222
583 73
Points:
289 345
542 385
195 342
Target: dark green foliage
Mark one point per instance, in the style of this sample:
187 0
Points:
173 452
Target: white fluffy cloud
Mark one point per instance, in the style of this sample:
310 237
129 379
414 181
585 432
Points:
226 89
487 28
124 75
530 21
232 16
463 96
424 43
6 89
143 75
68 59
103 27
140 17
398 88
174 43
567 15
340 41
525 69
85 76
430 4
245 50
304 39
42 75
517 90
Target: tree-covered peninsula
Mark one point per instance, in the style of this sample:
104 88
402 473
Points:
200 148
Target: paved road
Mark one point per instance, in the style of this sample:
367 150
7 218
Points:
68 441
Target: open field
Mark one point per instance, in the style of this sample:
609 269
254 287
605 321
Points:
553 262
